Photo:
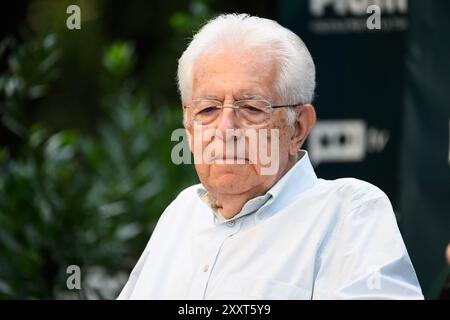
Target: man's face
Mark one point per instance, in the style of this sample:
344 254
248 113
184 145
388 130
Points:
230 76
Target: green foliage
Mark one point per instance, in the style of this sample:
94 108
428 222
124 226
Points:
68 197
31 69
186 23
118 59
89 195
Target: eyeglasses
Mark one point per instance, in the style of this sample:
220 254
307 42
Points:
249 113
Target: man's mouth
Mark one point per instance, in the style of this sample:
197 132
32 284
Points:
229 159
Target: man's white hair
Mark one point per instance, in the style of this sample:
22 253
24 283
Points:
295 81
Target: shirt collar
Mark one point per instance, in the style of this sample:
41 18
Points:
298 179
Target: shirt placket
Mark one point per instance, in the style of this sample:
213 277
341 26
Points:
203 273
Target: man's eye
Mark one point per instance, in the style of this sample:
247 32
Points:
207 110
251 109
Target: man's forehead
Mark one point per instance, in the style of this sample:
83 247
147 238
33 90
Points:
240 95
222 61
240 74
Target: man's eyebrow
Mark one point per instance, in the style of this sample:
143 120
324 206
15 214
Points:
208 97
250 97
245 96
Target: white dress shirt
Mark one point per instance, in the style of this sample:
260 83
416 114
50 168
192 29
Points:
306 238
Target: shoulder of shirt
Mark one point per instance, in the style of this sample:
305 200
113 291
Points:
354 190
352 195
189 193
185 198
175 213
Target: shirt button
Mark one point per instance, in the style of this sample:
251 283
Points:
231 223
205 268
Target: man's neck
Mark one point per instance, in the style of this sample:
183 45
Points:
229 205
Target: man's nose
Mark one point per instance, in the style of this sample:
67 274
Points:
227 118
227 124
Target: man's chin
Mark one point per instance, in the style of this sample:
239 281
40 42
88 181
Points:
231 169
230 178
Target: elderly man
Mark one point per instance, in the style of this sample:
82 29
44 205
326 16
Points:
246 234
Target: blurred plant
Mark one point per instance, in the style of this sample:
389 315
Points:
67 197
187 22
30 71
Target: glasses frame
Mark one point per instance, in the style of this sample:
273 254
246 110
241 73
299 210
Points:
235 107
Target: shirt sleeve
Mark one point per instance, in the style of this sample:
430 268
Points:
127 291
366 257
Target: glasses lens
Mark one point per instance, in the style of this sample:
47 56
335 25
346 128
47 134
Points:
206 111
249 112
253 112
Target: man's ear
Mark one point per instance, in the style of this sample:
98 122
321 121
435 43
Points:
304 121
